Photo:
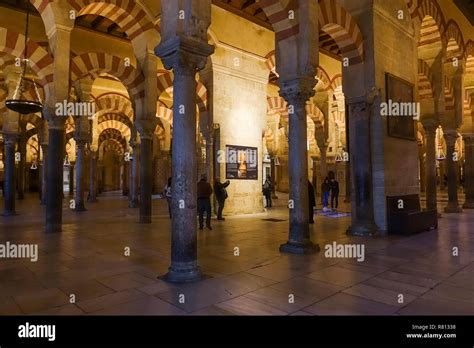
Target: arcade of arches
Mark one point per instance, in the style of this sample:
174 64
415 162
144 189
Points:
173 85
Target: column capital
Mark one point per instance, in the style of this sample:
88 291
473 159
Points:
9 139
54 122
430 124
146 128
185 55
81 142
468 138
450 136
297 91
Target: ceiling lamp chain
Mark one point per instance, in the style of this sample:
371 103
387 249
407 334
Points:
17 103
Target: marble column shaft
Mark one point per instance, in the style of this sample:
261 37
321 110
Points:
92 196
361 169
146 178
44 173
450 137
9 166
80 164
54 194
469 171
299 241
430 162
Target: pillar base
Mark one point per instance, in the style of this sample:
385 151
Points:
304 248
452 209
145 219
363 230
53 228
469 204
186 272
9 213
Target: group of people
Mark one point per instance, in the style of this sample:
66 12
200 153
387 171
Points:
204 192
330 188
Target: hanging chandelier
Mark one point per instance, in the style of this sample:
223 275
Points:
18 103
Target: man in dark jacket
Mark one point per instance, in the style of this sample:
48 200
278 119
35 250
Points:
204 192
334 186
311 202
221 196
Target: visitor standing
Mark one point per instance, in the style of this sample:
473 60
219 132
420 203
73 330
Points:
325 188
167 194
221 195
267 191
334 193
204 192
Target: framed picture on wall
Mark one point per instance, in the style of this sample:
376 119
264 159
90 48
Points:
241 162
400 105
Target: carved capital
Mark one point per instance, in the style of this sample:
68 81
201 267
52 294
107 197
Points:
54 122
430 125
146 128
468 138
10 139
450 136
185 55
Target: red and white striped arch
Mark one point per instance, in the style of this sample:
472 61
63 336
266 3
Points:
448 94
117 125
277 12
454 40
114 116
469 55
425 81
112 133
41 61
165 84
429 23
93 64
115 102
343 29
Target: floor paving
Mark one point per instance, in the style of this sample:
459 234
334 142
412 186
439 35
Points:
106 263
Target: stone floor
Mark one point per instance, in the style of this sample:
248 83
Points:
415 275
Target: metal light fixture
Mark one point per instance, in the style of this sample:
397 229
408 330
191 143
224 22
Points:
17 103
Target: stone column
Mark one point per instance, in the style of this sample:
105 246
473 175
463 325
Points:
44 172
469 171
71 178
92 197
296 95
430 161
54 177
186 56
347 166
361 168
315 174
146 177
21 164
273 174
421 161
80 163
323 161
135 176
450 136
9 167
125 178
